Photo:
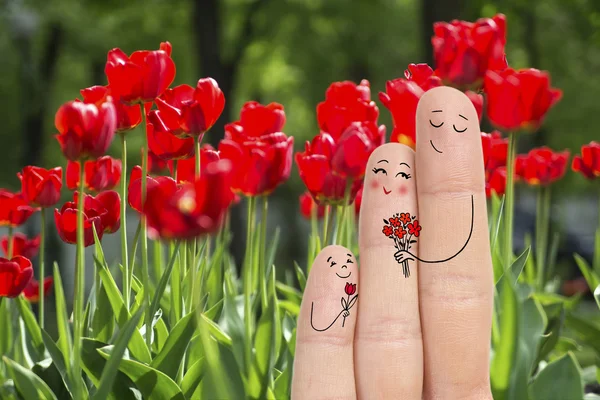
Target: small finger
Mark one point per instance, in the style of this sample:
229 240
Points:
324 364
455 274
388 345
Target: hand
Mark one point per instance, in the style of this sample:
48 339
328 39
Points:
426 336
402 255
346 313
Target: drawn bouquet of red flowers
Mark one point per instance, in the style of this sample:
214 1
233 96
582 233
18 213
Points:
402 228
348 302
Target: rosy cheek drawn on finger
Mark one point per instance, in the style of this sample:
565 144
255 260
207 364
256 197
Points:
349 296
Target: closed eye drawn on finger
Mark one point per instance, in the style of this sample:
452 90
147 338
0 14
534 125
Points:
436 126
379 170
404 175
459 131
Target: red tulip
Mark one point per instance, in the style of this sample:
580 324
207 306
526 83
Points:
191 210
350 288
477 101
186 169
308 205
401 98
101 174
85 129
15 274
260 163
32 290
588 163
496 182
143 76
519 99
423 75
541 166
128 116
495 150
93 215
22 246
156 165
14 209
464 51
189 112
39 186
358 201
318 175
345 102
111 201
353 149
163 143
134 191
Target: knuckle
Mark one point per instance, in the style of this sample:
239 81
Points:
397 330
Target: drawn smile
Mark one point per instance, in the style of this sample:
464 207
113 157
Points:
434 147
344 277
386 191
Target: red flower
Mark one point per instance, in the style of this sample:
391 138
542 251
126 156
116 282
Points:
186 169
358 201
14 275
395 222
39 186
163 143
422 75
588 163
22 246
101 174
496 183
189 112
352 150
14 209
405 218
193 209
128 117
32 290
134 191
345 102
143 76
350 288
66 220
414 228
464 51
401 98
495 150
85 129
318 174
541 166
156 165
519 99
308 205
399 232
111 201
388 230
263 162
477 100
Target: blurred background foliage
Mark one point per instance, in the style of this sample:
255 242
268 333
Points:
289 51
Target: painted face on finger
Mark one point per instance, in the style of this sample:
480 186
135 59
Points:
342 267
390 173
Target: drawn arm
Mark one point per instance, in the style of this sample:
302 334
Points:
312 305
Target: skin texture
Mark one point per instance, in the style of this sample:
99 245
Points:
456 296
388 326
323 366
426 336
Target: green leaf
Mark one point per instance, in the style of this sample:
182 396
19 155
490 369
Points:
109 373
33 329
214 311
93 365
560 380
169 360
29 385
283 382
137 345
586 331
300 275
270 255
48 372
264 341
590 276
161 334
58 360
597 295
290 307
151 383
216 331
517 266
192 378
596 262
552 335
290 293
505 352
160 289
65 343
6 335
232 324
103 321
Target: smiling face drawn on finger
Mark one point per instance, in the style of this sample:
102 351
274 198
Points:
390 173
341 267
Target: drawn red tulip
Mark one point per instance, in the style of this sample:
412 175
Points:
350 288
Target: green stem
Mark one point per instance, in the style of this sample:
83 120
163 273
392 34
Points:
262 261
326 225
339 213
11 245
144 233
247 283
198 141
158 259
79 283
542 253
124 255
510 199
42 268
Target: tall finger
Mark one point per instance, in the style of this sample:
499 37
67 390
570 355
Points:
455 270
324 365
388 346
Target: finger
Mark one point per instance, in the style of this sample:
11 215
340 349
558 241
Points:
324 366
388 346
456 292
